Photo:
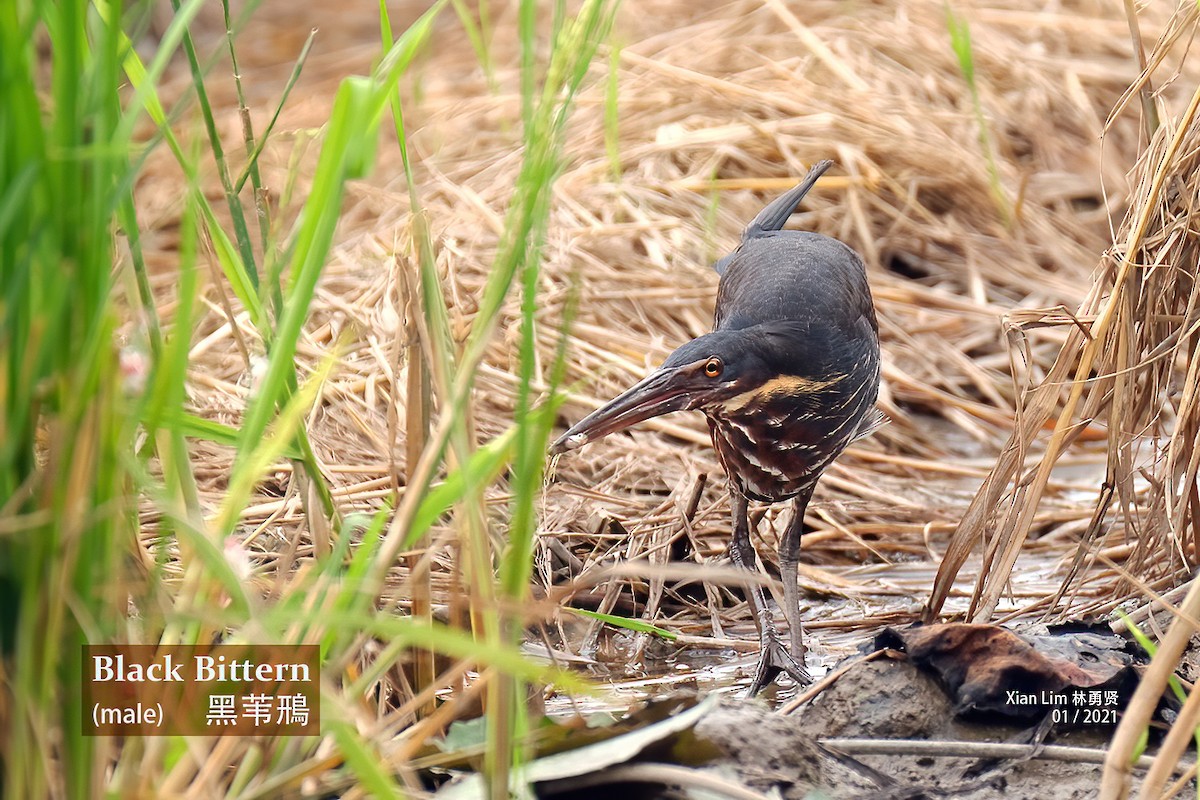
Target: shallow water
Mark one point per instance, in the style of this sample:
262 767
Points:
845 607
636 667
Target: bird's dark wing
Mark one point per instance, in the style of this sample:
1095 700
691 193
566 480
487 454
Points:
794 275
776 214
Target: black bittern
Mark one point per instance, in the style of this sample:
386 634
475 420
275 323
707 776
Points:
787 379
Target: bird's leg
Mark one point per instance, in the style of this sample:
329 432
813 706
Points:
789 565
773 656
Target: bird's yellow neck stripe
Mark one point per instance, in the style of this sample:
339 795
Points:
782 386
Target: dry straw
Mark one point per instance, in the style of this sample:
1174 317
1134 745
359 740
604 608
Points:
1128 364
719 106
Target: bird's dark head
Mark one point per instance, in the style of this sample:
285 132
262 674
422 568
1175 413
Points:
719 369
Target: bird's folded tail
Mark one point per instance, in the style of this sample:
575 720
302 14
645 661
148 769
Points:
776 214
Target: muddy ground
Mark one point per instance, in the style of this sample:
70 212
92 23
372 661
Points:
888 699
884 729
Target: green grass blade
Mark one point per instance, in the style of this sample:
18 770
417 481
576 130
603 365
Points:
636 625
485 464
252 162
960 42
236 212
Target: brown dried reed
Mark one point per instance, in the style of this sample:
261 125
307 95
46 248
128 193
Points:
721 105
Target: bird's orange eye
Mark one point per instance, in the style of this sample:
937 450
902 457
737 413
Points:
712 368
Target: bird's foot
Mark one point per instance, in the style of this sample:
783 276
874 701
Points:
774 658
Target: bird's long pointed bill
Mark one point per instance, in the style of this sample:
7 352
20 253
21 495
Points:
654 396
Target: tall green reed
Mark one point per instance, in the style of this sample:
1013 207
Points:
499 582
66 432
85 431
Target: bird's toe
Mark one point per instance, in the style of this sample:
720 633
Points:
774 658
